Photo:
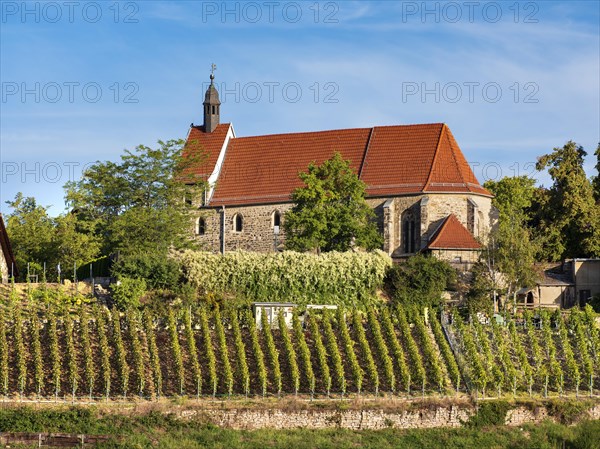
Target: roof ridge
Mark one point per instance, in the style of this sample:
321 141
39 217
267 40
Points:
435 155
364 161
460 173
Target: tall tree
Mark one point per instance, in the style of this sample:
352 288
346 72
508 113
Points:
330 212
570 223
137 205
36 237
596 179
510 248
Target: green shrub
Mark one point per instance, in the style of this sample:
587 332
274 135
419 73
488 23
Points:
489 413
159 271
421 280
127 292
339 278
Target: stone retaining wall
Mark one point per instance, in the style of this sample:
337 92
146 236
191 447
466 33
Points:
451 416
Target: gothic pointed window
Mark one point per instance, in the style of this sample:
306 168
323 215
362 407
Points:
201 226
238 223
276 219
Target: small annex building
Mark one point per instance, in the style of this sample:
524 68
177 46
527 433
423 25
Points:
8 265
424 194
573 282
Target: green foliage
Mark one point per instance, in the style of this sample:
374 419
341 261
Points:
133 327
259 357
489 413
480 293
227 371
127 292
136 204
55 353
158 271
429 352
339 278
37 237
165 430
88 355
176 350
20 354
3 354
420 280
382 349
521 353
511 248
596 179
153 352
105 351
569 221
71 355
334 352
348 344
505 357
330 212
193 351
36 349
290 353
478 373
120 352
272 353
209 351
447 354
418 374
304 352
321 353
365 349
572 367
240 350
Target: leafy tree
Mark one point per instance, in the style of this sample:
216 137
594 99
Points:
330 212
481 288
137 205
37 237
570 219
510 247
596 179
421 279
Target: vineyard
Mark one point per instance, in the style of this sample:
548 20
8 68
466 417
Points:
96 353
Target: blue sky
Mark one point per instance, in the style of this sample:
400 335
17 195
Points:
81 81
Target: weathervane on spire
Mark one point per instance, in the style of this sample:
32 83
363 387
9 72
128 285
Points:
213 67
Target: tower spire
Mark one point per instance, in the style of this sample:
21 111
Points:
212 105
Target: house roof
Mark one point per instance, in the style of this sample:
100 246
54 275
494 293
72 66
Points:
391 160
451 234
206 146
7 249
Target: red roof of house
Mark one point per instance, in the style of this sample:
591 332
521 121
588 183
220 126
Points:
452 235
206 146
391 160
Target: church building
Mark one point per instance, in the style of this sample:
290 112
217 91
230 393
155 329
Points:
425 195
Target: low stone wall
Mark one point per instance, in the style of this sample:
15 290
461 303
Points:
452 416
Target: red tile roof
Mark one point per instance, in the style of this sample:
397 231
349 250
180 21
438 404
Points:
206 146
391 160
264 169
452 235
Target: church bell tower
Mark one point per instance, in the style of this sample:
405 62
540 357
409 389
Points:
212 105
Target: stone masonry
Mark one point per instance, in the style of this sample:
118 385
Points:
399 219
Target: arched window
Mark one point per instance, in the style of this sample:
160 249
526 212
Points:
201 226
275 219
238 223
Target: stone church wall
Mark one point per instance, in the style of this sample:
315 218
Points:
423 212
257 232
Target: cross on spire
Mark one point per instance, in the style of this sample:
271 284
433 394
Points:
213 67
